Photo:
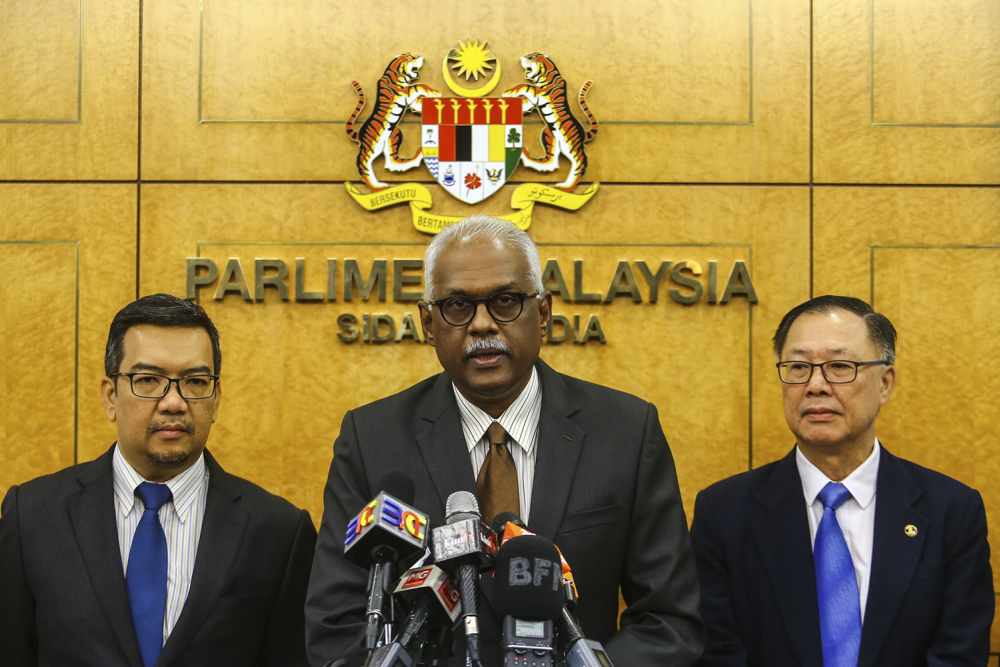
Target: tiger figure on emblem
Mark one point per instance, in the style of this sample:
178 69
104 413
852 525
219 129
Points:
396 92
563 134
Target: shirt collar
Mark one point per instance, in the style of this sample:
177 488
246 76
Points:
520 419
861 482
184 487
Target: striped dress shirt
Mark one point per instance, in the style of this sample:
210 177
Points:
181 520
520 420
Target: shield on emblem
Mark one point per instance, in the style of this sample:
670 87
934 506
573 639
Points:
470 145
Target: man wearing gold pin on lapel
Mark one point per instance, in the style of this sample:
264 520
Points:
841 554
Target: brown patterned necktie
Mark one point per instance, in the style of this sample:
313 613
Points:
496 487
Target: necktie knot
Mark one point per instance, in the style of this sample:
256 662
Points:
154 496
497 435
833 495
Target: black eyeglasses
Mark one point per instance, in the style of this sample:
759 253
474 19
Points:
503 307
153 385
837 371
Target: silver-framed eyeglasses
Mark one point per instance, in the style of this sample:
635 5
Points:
836 371
153 385
503 307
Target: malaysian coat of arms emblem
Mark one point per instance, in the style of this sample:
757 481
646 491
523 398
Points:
471 144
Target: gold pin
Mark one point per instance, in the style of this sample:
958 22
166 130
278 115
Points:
910 530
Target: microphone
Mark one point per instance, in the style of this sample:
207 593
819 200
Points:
580 651
528 593
462 546
431 599
385 531
508 525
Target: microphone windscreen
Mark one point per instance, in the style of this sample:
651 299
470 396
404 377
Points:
502 519
528 578
461 505
398 485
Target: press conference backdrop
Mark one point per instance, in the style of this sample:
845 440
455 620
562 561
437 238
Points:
849 147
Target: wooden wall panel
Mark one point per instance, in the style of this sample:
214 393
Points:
936 64
69 71
907 91
44 318
68 252
713 91
289 379
40 54
928 258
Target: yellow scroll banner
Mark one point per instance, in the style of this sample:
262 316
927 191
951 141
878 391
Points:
523 200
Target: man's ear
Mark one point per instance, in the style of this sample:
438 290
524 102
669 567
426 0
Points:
888 383
426 321
544 312
108 398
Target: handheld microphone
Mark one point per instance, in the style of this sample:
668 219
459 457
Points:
508 525
385 531
430 598
462 546
580 651
528 592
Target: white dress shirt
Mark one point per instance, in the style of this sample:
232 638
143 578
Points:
520 420
856 515
181 520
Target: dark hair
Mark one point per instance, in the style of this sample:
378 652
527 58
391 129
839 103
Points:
880 329
162 310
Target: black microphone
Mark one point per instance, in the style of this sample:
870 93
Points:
385 531
508 525
432 600
528 593
462 546
580 651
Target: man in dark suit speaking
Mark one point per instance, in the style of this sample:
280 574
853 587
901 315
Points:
583 465
841 554
153 554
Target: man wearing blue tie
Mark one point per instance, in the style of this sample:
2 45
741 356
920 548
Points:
841 554
153 554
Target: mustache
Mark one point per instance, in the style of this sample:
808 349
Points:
485 346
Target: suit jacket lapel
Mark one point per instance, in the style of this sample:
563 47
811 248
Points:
894 554
221 536
781 530
92 515
442 444
559 445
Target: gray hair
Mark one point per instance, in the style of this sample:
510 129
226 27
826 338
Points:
880 329
489 229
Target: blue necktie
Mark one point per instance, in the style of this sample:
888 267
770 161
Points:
836 585
146 578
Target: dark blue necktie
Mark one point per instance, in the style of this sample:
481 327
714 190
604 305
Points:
146 577
836 585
